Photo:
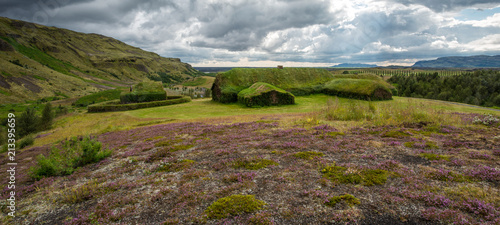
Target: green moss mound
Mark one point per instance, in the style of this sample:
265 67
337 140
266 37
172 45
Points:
347 198
298 81
366 89
366 177
264 94
233 205
253 164
144 92
308 155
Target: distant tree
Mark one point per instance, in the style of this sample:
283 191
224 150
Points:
47 117
28 122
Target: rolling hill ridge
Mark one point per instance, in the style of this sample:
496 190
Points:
38 61
478 61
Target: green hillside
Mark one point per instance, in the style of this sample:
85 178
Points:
38 61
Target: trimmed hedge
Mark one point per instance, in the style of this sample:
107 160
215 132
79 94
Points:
142 97
144 92
111 106
264 94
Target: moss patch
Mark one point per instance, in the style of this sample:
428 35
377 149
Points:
176 166
308 155
233 205
366 177
253 164
431 156
347 198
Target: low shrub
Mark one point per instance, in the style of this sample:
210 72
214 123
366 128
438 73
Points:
74 153
233 205
26 141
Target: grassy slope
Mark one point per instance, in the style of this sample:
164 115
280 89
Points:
74 63
132 185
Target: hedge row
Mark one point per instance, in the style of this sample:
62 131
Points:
142 97
115 105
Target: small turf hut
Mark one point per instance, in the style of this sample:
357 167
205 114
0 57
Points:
264 94
298 81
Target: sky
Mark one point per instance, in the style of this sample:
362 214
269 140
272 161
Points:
281 32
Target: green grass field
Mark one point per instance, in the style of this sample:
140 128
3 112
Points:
307 108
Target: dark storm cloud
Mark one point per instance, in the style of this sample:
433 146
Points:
450 5
240 26
328 31
30 9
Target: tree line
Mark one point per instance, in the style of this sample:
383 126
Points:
480 87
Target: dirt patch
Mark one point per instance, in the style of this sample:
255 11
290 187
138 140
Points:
3 83
415 125
6 47
381 94
412 159
26 83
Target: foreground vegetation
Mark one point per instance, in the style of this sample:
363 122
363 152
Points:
336 161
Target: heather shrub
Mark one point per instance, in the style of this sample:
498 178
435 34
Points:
233 205
446 175
485 173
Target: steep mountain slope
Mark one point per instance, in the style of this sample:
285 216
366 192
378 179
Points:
478 61
38 61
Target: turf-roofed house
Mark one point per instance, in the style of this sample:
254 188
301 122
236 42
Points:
276 86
